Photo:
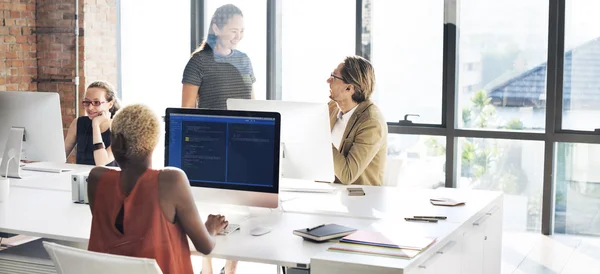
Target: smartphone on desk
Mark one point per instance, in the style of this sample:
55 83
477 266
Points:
355 191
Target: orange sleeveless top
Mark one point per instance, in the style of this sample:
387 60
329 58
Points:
146 231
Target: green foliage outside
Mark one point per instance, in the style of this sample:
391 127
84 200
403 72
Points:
489 166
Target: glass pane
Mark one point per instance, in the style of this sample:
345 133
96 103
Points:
577 189
415 161
158 86
254 42
581 89
513 167
502 64
407 53
316 36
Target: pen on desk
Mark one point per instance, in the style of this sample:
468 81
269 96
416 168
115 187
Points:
310 229
431 217
421 220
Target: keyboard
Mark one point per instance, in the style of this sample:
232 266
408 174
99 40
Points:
45 169
230 228
297 185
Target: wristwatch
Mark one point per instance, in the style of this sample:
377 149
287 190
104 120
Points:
98 146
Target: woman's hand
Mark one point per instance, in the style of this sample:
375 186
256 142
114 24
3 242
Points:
216 223
101 118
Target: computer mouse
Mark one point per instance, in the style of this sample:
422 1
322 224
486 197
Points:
260 230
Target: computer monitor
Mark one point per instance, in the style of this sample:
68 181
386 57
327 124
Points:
305 134
229 157
39 114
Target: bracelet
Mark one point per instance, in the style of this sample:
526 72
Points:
98 146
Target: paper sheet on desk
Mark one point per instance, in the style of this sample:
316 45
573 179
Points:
374 250
390 240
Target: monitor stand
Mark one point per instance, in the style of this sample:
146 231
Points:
11 159
293 164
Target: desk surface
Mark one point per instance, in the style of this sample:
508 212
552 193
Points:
51 214
388 203
49 181
41 205
378 202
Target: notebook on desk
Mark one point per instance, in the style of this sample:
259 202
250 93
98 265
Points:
397 240
374 250
324 232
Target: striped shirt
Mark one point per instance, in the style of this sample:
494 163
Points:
219 77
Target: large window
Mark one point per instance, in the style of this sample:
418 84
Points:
155 47
508 55
254 43
415 161
407 53
581 97
502 64
513 167
316 36
577 193
502 70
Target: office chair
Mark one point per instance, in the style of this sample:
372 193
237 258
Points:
392 171
69 260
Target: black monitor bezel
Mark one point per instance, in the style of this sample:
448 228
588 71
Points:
243 114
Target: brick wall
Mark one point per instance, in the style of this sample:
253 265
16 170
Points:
37 47
56 52
100 41
18 65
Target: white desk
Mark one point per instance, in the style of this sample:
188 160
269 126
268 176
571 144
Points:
386 202
45 213
474 245
461 246
49 181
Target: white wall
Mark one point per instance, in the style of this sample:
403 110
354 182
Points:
155 47
317 35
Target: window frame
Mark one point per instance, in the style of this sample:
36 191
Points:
551 136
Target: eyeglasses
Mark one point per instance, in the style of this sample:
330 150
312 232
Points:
93 103
337 77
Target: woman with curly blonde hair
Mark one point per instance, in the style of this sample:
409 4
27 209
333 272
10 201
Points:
142 212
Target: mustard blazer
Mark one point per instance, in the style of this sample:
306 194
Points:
363 149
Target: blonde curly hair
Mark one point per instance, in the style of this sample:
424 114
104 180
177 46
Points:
139 126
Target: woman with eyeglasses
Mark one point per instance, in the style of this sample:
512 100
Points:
91 133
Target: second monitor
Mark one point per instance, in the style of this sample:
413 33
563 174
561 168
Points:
31 128
305 136
230 157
